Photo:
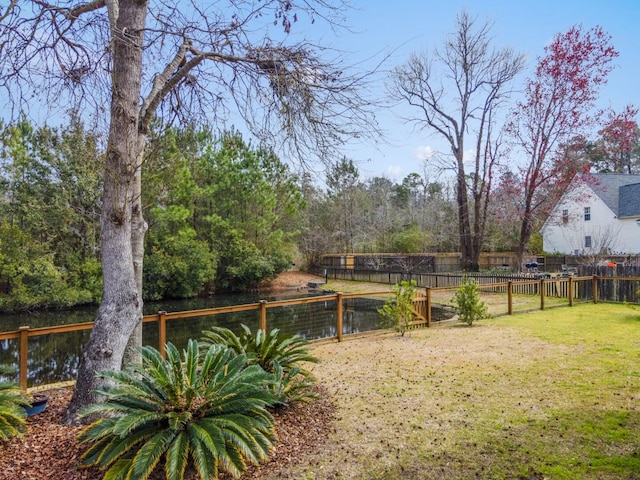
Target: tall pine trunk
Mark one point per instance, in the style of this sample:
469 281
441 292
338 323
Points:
121 308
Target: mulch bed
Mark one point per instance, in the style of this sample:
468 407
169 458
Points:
49 450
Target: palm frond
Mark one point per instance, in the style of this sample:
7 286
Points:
206 408
12 412
177 457
149 455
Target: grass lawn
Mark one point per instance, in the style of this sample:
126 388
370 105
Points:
552 394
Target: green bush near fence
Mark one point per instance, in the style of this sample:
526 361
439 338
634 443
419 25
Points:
281 355
397 312
467 301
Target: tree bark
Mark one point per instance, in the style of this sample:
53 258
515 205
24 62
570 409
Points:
139 227
526 229
464 226
121 307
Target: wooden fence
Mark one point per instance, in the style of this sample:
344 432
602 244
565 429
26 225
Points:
613 288
572 288
426 280
161 318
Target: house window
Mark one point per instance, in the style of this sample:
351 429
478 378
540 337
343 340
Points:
565 216
587 241
587 214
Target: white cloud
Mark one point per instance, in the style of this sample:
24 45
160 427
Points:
469 156
394 170
424 153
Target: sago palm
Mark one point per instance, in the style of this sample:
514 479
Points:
282 355
206 412
12 412
264 348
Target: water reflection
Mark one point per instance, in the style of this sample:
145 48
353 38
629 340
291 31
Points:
9 322
54 358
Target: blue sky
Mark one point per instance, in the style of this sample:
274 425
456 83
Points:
400 27
405 26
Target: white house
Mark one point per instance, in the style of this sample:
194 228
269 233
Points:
598 214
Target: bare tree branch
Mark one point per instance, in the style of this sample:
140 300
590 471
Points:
8 10
136 61
84 8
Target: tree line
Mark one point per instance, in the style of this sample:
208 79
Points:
464 92
223 214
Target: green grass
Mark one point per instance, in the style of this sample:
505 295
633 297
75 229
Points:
551 394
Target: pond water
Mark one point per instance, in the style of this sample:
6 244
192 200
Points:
54 358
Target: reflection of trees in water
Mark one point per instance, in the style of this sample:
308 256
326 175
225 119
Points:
310 321
9 357
54 358
318 320
179 331
47 318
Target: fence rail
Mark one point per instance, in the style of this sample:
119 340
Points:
572 288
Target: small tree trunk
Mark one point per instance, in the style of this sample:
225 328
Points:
525 235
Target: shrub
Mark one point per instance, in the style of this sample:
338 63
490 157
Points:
38 283
397 312
12 412
177 266
467 301
206 413
281 355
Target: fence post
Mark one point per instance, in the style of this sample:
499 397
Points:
428 306
542 293
595 289
263 315
23 354
571 291
339 315
510 298
162 332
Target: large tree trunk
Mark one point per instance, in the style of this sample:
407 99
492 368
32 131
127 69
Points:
121 308
464 225
526 229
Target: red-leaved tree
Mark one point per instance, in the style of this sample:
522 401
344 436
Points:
618 148
558 105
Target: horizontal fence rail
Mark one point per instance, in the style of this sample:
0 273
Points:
583 289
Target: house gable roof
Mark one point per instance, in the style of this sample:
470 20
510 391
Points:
609 187
629 200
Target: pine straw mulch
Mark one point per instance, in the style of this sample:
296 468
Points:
49 448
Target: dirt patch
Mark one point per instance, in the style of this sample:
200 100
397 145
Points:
291 280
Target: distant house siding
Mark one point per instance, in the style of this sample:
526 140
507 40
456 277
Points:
630 235
566 231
